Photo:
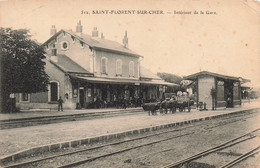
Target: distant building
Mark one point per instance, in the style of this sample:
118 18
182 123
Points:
227 89
84 69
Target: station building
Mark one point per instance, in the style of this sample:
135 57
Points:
86 68
217 90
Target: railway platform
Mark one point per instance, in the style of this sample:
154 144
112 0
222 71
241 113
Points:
40 113
20 142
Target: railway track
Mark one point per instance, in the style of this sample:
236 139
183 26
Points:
17 123
241 158
87 152
102 146
246 137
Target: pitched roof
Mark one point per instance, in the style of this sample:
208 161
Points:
97 43
194 76
145 73
68 65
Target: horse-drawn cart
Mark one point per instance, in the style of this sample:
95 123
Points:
178 102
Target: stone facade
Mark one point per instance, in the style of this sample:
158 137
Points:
112 58
85 70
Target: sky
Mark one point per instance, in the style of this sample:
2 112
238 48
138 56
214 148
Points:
226 41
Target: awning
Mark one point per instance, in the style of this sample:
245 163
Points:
246 85
158 82
122 81
107 80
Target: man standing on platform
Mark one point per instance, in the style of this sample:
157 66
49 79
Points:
60 101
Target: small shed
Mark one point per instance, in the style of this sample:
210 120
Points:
217 90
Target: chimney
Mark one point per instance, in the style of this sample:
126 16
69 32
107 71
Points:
95 32
79 28
125 40
53 30
102 36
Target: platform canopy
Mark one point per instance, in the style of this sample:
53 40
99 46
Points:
158 82
121 81
247 85
225 77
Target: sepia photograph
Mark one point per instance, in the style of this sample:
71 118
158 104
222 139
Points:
130 83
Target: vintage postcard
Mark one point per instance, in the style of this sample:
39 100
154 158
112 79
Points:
130 83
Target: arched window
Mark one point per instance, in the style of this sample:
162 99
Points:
119 67
53 93
103 65
131 68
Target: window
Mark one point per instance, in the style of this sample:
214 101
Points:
24 97
131 68
118 67
54 52
53 91
103 65
65 45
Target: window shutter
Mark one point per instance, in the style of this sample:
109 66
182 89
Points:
118 67
131 68
103 65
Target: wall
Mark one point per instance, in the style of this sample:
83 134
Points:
205 84
221 94
236 91
40 99
75 51
111 65
236 94
56 75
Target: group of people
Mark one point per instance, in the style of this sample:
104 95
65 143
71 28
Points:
118 103
124 103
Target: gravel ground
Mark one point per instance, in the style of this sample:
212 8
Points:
179 148
14 140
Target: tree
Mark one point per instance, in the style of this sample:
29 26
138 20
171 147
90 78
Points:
168 77
22 69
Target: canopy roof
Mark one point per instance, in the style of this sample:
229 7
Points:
121 81
158 82
225 77
145 73
247 85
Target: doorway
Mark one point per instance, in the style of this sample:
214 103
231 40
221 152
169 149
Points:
104 93
54 91
81 97
229 93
